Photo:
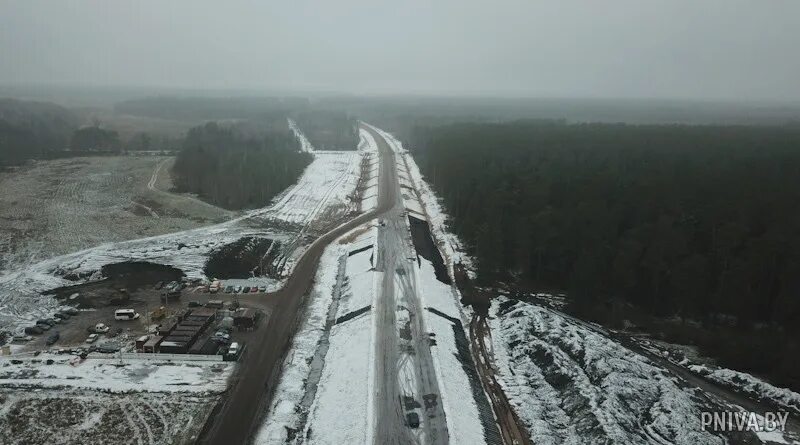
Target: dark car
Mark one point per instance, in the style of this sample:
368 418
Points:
61 316
53 338
412 419
105 349
43 326
33 330
194 304
246 290
229 289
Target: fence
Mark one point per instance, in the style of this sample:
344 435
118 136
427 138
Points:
162 357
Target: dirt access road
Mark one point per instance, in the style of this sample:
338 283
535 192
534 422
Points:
236 420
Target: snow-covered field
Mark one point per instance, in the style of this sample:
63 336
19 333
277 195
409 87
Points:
67 416
114 375
54 207
323 193
52 398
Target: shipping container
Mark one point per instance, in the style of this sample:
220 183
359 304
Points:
152 344
171 347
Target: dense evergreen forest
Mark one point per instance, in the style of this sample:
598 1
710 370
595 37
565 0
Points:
692 223
236 170
329 130
31 130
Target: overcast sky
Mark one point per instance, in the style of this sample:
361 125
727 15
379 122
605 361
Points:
702 49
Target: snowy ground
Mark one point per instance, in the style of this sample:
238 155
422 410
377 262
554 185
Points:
67 416
570 384
322 194
341 370
449 245
114 375
54 207
459 402
369 148
325 394
742 382
57 399
305 145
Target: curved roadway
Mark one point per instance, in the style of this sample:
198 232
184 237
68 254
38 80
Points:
236 420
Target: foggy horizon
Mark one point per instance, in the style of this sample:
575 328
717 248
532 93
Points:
714 51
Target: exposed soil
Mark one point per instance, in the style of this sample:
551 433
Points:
426 248
244 258
109 291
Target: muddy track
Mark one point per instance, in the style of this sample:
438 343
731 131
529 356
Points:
237 418
510 425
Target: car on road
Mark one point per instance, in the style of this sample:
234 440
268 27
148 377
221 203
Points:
48 321
107 349
246 290
92 338
53 338
221 337
33 330
254 289
237 289
43 326
61 316
101 328
234 350
125 314
228 289
412 419
262 289
195 304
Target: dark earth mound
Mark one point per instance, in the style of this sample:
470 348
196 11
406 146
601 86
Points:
423 243
243 258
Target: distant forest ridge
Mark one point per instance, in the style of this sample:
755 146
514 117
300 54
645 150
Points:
40 130
699 222
326 129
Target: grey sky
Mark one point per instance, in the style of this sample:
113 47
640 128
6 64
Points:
704 49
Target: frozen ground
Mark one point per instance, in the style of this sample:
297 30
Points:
450 354
322 195
570 384
318 383
50 208
305 144
49 398
752 386
114 375
67 416
449 245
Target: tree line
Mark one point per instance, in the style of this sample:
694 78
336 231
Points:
698 223
235 170
30 130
